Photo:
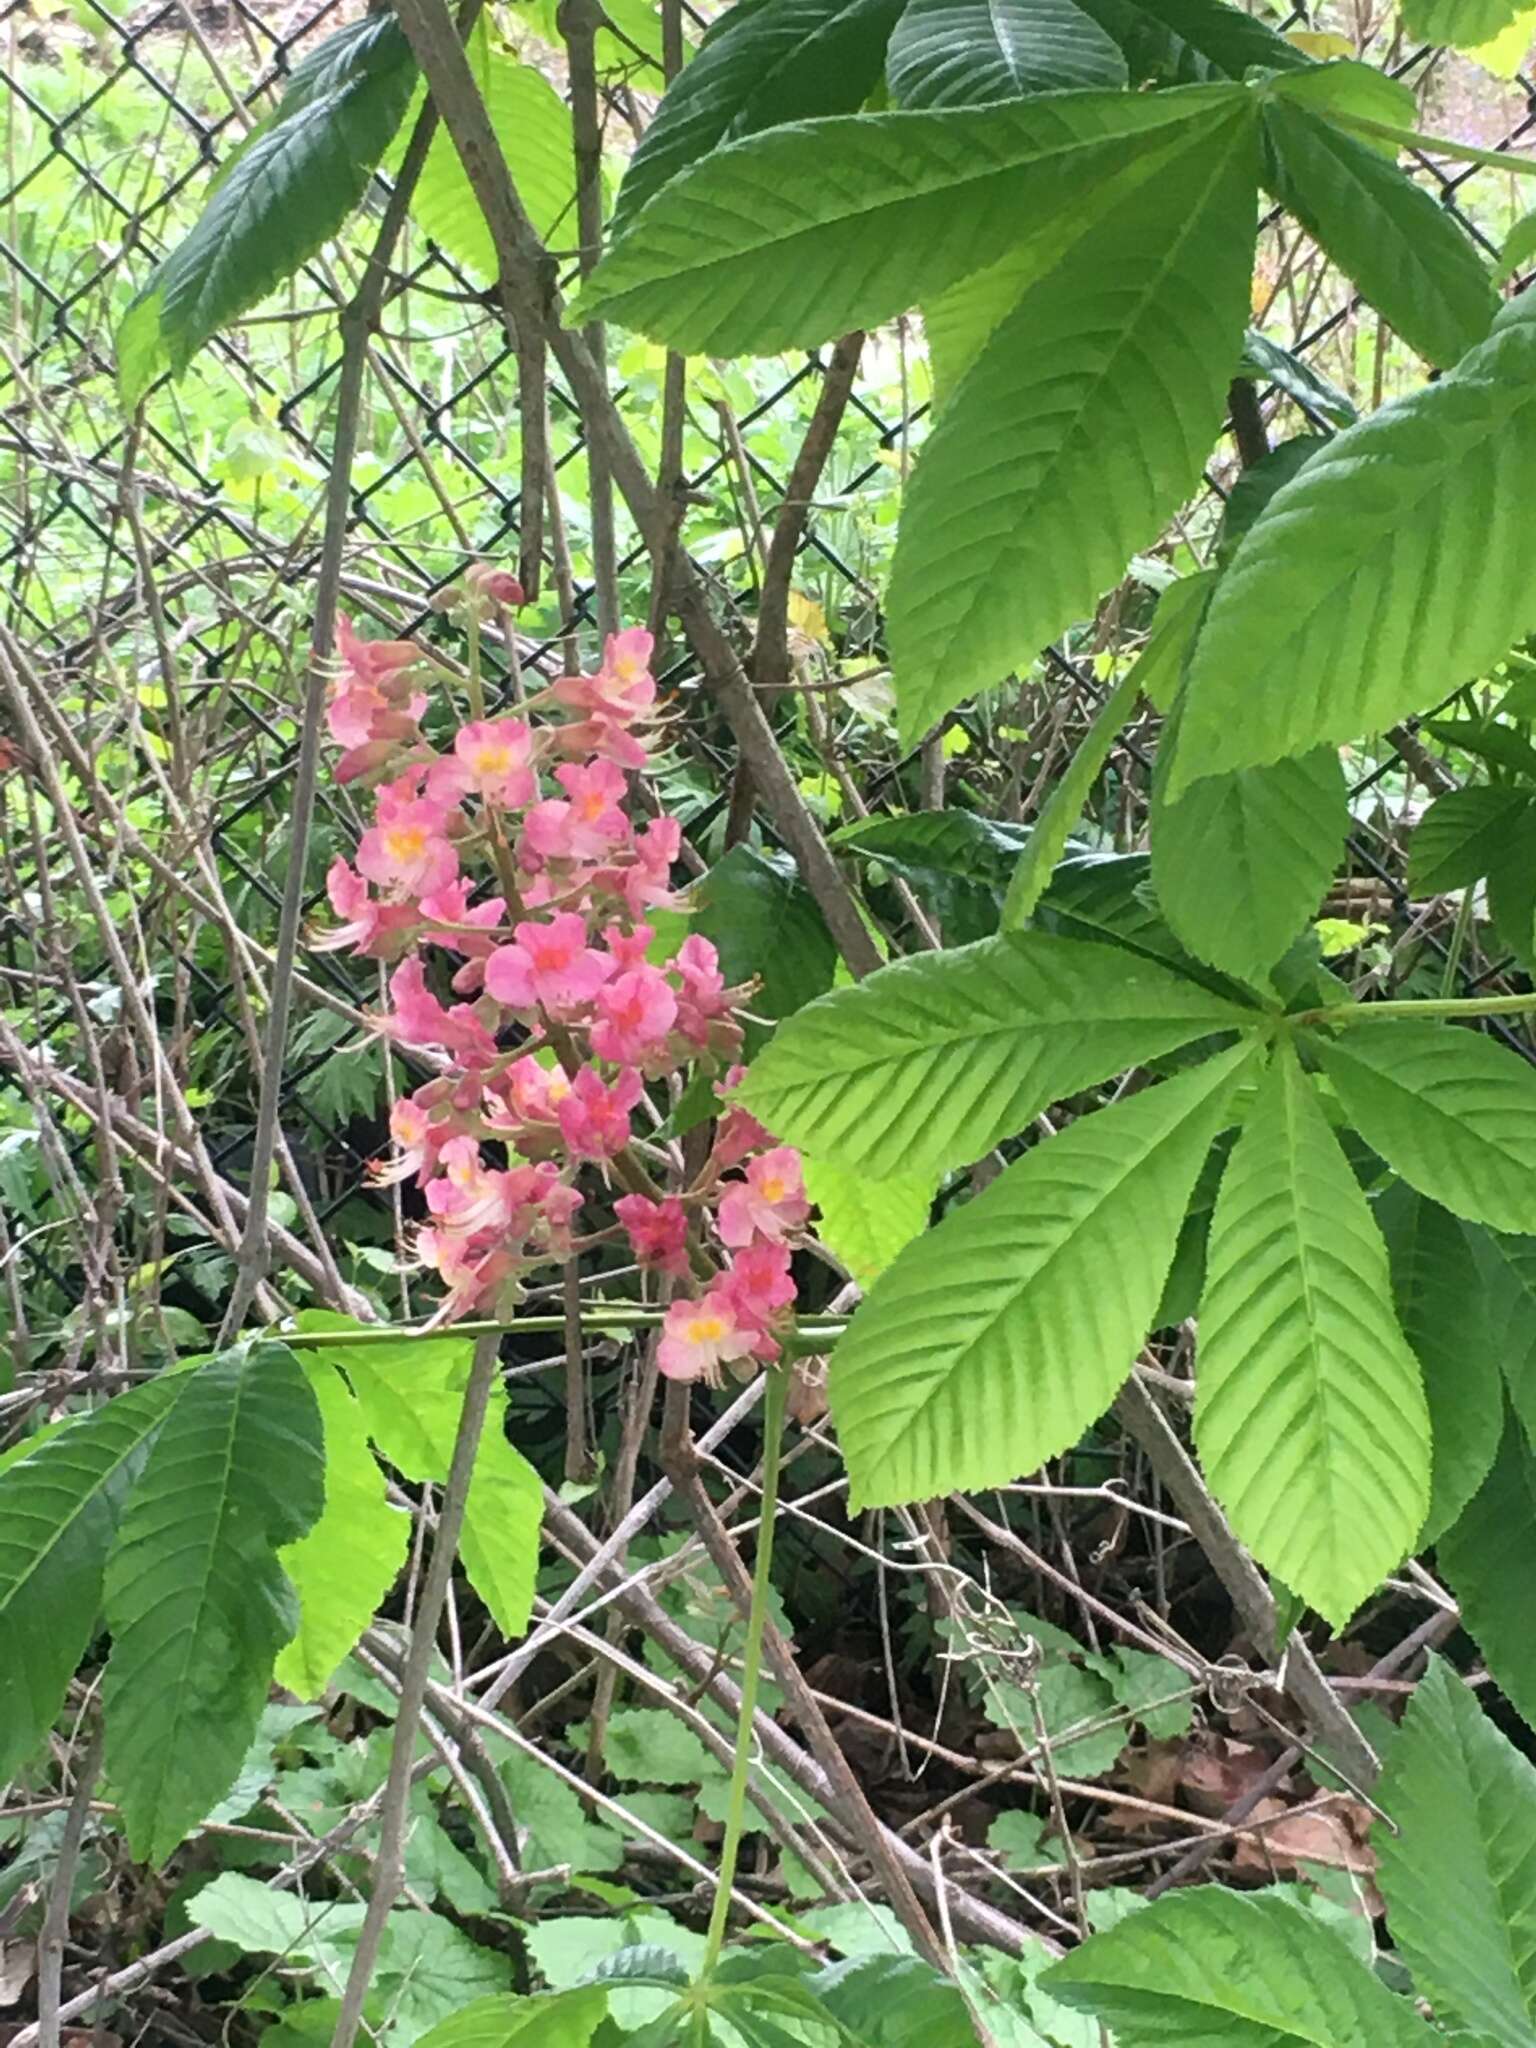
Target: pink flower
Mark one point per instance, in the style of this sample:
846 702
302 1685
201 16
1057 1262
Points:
406 850
647 883
499 585
698 1337
468 1197
628 948
637 1011
494 758
589 822
769 1203
738 1132
603 740
549 964
758 1286
624 690
657 1232
380 930
418 1018
703 999
417 1142
594 1118
375 662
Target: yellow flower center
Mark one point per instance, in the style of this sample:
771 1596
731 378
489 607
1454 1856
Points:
491 760
405 842
774 1190
705 1330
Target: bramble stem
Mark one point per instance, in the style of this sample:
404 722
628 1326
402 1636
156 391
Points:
773 1433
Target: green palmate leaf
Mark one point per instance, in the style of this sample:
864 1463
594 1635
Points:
195 1597
992 1343
1182 42
59 1507
1256 485
411 1394
1457 1866
1311 1419
1465 23
1154 674
1109 897
766 926
286 192
1442 1306
1499 745
1406 253
533 128
560 2019
931 1060
343 1568
1319 400
867 1222
1078 428
806 232
957 862
1306 640
1343 86
1273 835
1449 1110
760 65
964 53
1213 1967
1486 1561
1460 836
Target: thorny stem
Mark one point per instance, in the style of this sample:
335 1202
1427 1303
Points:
751 1670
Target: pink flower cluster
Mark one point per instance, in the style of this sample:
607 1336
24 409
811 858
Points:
514 856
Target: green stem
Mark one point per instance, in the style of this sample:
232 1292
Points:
1460 933
1458 1006
614 1316
773 1432
1435 145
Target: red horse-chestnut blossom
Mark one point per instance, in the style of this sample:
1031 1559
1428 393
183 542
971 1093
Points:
510 849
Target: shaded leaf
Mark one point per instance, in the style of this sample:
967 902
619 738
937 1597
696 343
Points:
59 1508
1460 835
1486 1562
957 862
286 191
1406 253
560 2019
766 926
759 65
196 1600
1456 1866
965 53
1464 23
1442 1306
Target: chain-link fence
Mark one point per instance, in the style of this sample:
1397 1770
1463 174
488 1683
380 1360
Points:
158 575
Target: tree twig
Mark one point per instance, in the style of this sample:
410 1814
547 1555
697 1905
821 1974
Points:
389 1863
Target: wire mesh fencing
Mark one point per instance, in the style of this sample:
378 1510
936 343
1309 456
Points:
157 576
